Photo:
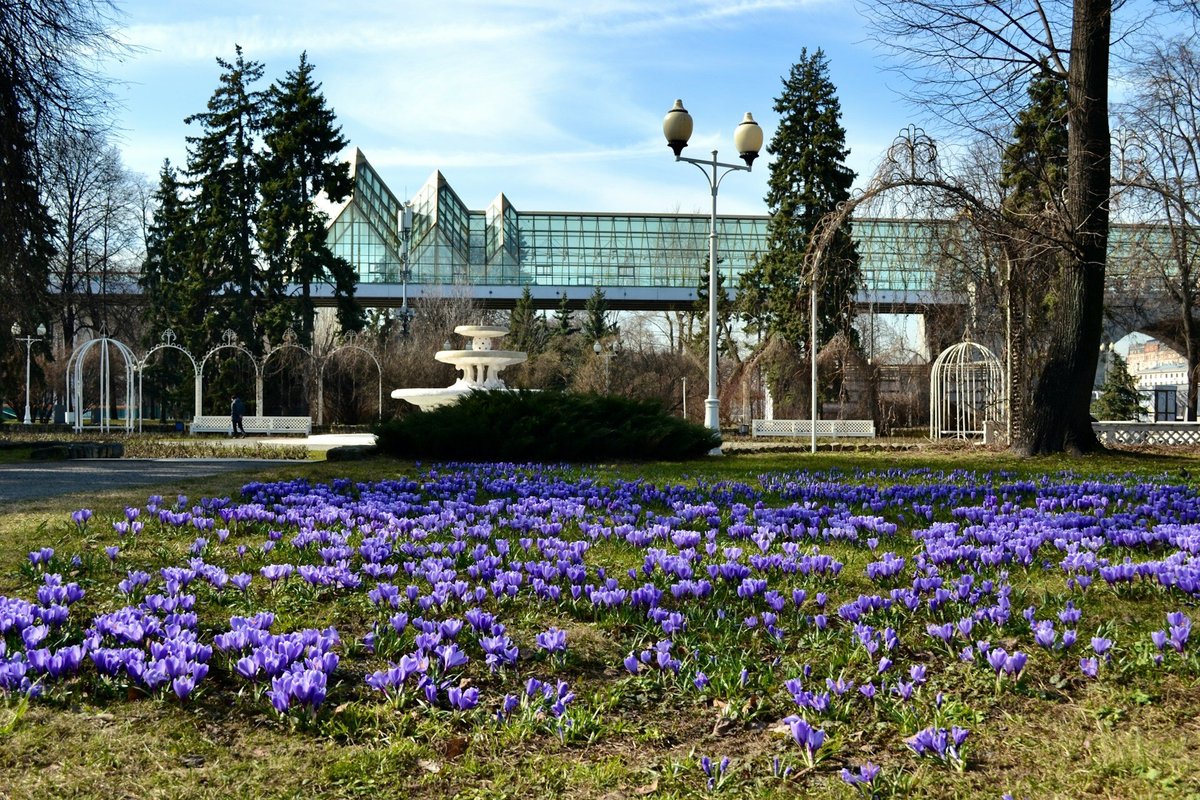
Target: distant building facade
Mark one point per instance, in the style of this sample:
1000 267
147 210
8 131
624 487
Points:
1161 376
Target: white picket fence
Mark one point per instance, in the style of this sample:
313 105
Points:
1181 434
803 427
262 426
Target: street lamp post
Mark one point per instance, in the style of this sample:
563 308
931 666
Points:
607 352
747 139
405 223
28 340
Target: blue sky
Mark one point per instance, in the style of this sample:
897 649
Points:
557 104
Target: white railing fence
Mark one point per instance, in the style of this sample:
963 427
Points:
1183 434
803 427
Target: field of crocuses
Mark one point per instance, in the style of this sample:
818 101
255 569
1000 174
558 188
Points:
499 630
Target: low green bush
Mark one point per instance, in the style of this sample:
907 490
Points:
545 426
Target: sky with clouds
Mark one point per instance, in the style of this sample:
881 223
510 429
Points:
556 103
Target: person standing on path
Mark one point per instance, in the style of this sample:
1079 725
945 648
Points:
237 410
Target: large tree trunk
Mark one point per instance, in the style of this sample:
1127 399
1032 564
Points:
1060 419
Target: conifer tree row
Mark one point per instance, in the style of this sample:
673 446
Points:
238 242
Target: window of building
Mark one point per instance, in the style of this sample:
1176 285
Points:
1165 404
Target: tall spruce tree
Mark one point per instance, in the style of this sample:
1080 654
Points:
1033 177
222 171
527 331
176 293
25 237
1120 399
562 317
596 323
170 276
300 163
808 179
49 86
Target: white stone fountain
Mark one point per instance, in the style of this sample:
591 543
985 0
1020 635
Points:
480 365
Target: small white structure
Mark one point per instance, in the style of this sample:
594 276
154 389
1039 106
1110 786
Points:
479 365
966 390
105 402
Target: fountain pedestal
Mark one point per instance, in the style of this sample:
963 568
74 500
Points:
479 367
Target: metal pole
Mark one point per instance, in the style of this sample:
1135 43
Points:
712 405
812 356
685 398
28 347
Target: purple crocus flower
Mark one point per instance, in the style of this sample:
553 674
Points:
1015 663
552 641
809 738
451 657
510 704
864 777
1045 635
462 699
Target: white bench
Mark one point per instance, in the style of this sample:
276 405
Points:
268 426
803 427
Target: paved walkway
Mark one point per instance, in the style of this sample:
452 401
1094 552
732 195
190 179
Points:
34 480
320 441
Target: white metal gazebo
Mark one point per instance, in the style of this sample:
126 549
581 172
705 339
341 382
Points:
966 389
104 404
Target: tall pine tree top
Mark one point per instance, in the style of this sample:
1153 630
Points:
809 176
808 179
222 168
303 142
1034 166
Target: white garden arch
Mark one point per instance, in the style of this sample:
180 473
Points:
168 343
349 343
229 341
75 382
966 389
290 341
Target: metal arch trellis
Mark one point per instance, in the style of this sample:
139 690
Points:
75 386
168 343
349 342
290 341
229 341
966 390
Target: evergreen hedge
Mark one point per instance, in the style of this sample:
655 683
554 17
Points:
545 426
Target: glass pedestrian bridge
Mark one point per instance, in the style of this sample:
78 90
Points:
640 261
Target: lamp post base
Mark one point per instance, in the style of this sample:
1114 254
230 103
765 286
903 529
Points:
712 421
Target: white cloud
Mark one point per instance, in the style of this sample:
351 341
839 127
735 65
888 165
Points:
549 102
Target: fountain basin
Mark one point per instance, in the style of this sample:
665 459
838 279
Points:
479 368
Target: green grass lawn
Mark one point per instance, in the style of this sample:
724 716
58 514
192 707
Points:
1130 732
